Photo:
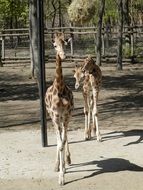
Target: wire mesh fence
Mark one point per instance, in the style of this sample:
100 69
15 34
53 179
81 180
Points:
15 44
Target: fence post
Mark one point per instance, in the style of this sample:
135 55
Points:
95 40
1 52
71 42
132 42
3 48
103 44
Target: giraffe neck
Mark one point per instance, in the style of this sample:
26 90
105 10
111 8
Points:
59 81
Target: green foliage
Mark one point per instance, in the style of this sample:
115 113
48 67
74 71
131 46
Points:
14 11
110 11
126 51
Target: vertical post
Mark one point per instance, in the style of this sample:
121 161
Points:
132 42
132 46
0 53
132 34
3 48
103 44
72 39
99 32
41 74
120 35
95 40
71 44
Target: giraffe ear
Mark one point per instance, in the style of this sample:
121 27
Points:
56 34
67 41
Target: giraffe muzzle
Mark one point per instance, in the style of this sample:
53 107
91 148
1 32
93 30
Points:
63 56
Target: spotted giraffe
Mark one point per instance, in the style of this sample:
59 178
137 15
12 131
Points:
92 75
59 105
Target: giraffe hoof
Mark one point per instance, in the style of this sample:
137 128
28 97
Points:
99 139
68 160
61 179
86 138
57 167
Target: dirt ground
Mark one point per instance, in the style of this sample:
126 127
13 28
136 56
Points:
115 163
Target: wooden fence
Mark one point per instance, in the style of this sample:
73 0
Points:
135 33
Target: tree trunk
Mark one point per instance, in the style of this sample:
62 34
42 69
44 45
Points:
54 17
120 31
127 22
33 35
60 14
99 31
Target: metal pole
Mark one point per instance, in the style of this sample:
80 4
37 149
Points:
41 78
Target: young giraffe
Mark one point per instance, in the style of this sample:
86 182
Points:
59 105
92 81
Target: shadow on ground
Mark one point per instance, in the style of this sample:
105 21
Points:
105 166
121 134
14 87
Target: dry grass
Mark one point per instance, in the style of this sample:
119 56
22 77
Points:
81 11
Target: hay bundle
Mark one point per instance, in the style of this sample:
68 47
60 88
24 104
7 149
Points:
81 11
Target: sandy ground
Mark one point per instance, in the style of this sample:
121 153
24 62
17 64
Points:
115 163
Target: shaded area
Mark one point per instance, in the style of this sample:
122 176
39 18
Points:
129 133
110 165
124 96
127 81
122 105
19 92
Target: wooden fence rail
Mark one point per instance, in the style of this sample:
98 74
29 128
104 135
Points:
10 33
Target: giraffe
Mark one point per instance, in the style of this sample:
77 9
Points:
59 105
92 75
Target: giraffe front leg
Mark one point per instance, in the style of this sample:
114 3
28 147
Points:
65 139
95 120
87 132
68 155
86 124
60 163
62 150
94 124
86 96
56 123
57 164
62 167
95 116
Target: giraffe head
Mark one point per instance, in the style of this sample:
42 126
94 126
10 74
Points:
59 42
88 65
78 75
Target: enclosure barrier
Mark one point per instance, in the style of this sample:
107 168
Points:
14 35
